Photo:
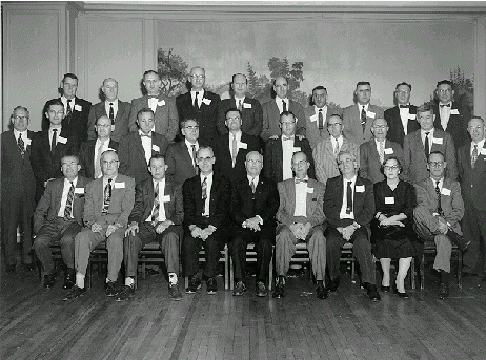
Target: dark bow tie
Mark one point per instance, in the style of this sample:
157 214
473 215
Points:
446 105
287 138
149 136
298 180
404 106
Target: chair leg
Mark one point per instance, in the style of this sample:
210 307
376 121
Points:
231 274
270 273
459 270
352 269
412 273
226 266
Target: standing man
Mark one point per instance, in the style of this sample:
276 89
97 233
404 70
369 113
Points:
317 116
402 118
349 208
301 218
91 150
274 108
206 199
278 152
137 147
251 110
357 118
18 189
113 108
200 104
253 209
165 112
156 216
109 201
76 110
58 219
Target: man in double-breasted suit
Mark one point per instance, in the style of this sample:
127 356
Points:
58 219
109 201
18 189
166 116
419 144
277 164
301 218
201 105
137 147
251 109
402 118
357 118
206 206
113 108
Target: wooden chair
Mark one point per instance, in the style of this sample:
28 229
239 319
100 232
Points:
430 250
224 258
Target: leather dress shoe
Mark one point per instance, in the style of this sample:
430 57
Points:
194 285
240 288
12 268
279 288
443 291
261 289
321 291
333 285
395 288
110 289
75 293
49 280
458 239
403 295
29 267
385 288
128 291
372 292
174 292
211 286
69 279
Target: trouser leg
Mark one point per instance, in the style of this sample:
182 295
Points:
442 260
284 250
114 247
334 243
362 250
47 235
170 248
316 245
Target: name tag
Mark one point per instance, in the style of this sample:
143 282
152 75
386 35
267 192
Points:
29 142
439 141
78 107
246 106
120 185
112 127
61 139
412 116
165 198
370 114
483 151
360 188
295 149
388 151
161 103
309 190
455 112
79 190
445 192
389 200
206 101
313 118
242 146
155 148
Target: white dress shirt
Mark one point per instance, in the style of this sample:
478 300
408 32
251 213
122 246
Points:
147 145
104 147
480 147
441 183
115 107
343 214
50 132
280 105
361 109
301 198
161 207
200 97
23 135
324 114
445 114
72 104
65 191
230 143
242 100
153 103
189 149
287 152
404 114
209 182
337 142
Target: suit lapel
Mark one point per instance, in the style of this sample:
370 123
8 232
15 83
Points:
291 191
58 194
279 155
398 123
311 183
121 111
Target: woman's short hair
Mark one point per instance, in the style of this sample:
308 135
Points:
393 157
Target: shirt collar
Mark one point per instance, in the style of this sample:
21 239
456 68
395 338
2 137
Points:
256 179
64 100
113 180
201 92
441 182
161 182
238 100
365 106
141 133
24 134
305 178
58 127
238 135
188 144
318 108
98 142
353 179
431 131
68 183
480 144
210 176
115 102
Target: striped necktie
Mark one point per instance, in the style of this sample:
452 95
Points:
106 197
69 202
474 155
155 215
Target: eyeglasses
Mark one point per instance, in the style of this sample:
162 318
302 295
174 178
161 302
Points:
196 127
21 117
69 164
300 163
251 161
346 161
109 162
406 92
103 126
389 168
380 127
436 164
54 112
236 118
197 77
207 158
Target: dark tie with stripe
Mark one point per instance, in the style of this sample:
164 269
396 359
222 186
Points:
155 216
363 117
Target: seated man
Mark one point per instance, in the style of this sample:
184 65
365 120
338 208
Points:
439 209
301 218
109 201
156 216
254 205
206 200
58 219
349 207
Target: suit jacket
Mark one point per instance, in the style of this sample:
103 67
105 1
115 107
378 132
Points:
77 122
48 208
314 203
396 133
352 127
473 181
415 169
271 118
312 132
132 155
452 204
252 116
121 202
179 163
17 173
219 202
273 158
370 166
363 202
325 161
86 157
457 125
245 204
206 115
145 197
223 155
166 116
121 120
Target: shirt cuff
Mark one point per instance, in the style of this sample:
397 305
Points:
260 220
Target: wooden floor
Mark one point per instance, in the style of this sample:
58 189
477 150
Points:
36 324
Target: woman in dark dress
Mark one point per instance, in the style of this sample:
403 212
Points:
391 228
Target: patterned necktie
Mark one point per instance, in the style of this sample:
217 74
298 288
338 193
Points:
196 102
193 149
382 152
69 112
112 114
234 151
204 188
363 118
155 215
20 142
284 105
253 187
427 145
335 150
54 141
474 155
321 120
106 197
439 200
69 202
349 198
240 106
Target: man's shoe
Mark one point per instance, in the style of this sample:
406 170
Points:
240 288
69 279
194 285
75 293
110 289
174 292
127 292
49 280
458 240
12 268
333 285
29 267
211 286
385 288
261 289
443 291
321 291
372 292
403 295
279 288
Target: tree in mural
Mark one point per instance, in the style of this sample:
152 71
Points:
463 88
173 72
294 74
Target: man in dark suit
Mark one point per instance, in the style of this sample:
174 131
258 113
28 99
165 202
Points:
472 170
374 153
206 206
76 110
58 219
18 189
449 117
113 108
137 147
156 216
273 108
357 118
230 149
109 201
50 145
301 218
251 110
253 208
91 150
349 207
164 107
200 104
277 165
402 118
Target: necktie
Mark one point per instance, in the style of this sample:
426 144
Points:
20 142
321 120
106 197
112 114
299 180
204 187
335 150
382 152
446 105
439 202
253 187
427 145
155 214
149 135
54 141
240 106
69 202
349 198
196 102
234 150
284 105
363 118
97 164
404 106
474 155
69 112
193 147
